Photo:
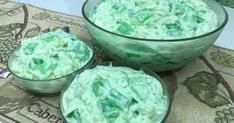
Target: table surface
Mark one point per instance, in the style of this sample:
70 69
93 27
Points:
73 7
200 90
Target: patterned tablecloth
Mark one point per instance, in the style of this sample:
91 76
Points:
201 90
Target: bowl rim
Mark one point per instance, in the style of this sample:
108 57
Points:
87 43
133 66
159 40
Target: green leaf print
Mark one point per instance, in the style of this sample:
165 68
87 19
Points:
33 32
223 59
204 87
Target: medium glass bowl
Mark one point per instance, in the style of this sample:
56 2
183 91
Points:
48 86
135 67
157 55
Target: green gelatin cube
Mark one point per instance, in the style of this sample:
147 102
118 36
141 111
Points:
41 68
197 19
139 3
65 45
143 15
52 66
38 64
56 56
120 100
50 38
173 29
172 26
118 7
179 10
74 38
125 28
132 102
111 114
37 61
108 108
98 87
76 115
28 50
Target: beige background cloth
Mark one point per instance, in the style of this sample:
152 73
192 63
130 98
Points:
200 90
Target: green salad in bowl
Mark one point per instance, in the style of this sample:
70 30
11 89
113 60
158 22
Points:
47 62
159 34
115 93
155 19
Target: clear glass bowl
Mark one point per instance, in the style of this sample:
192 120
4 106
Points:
136 67
45 86
157 55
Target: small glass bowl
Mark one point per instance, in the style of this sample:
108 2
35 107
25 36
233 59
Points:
135 67
48 86
155 54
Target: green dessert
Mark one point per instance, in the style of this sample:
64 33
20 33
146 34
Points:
155 19
107 94
50 55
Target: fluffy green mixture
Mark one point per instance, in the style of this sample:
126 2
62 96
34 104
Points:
155 19
50 55
107 94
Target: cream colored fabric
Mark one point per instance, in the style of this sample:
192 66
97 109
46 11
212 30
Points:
198 95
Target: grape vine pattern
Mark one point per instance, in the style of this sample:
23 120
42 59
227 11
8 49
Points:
13 101
225 116
204 86
32 32
41 16
99 55
223 59
7 41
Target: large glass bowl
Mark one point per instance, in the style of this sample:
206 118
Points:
135 67
158 55
48 86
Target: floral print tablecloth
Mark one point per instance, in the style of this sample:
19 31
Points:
202 91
